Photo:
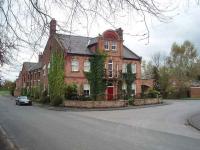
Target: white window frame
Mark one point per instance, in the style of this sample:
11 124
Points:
114 45
86 87
133 87
124 68
106 45
110 62
87 66
124 86
74 65
44 71
133 68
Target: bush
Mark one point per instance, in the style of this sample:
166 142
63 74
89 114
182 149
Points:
71 92
151 93
130 101
45 98
56 101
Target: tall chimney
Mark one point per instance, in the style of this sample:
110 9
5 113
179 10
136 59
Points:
52 27
120 33
40 56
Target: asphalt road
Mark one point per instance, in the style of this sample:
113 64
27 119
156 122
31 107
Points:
35 128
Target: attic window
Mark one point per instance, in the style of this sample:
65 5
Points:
114 45
106 45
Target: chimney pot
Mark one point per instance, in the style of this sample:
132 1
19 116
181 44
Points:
52 27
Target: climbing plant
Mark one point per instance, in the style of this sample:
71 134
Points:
56 78
96 75
129 78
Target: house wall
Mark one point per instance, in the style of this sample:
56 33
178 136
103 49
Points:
195 92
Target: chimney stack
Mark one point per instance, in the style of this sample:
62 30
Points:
40 56
120 33
52 27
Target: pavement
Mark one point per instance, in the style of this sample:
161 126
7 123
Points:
194 121
154 128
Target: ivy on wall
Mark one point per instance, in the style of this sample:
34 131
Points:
96 75
56 76
129 78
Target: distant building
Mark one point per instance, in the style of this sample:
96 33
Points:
77 51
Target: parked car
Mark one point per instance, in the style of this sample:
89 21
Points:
23 100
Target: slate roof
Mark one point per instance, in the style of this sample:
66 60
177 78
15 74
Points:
28 65
36 66
75 44
79 45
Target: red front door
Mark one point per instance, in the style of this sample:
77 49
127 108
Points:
110 93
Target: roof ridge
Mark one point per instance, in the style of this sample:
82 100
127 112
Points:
74 35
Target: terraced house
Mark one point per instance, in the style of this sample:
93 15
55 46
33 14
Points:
77 51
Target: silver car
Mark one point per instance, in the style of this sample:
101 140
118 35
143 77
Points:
23 100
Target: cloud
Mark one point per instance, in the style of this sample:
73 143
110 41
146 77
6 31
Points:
162 35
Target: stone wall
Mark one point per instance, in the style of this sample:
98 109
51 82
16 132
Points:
95 104
147 101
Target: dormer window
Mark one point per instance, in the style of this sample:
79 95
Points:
106 45
114 45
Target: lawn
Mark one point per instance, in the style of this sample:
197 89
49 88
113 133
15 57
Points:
2 93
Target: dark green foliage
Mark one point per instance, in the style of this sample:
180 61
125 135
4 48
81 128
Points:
152 93
57 100
71 91
156 77
129 78
24 92
56 76
96 76
45 98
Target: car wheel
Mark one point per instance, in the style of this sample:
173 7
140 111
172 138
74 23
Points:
16 103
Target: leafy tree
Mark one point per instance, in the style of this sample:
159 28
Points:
96 75
184 64
56 77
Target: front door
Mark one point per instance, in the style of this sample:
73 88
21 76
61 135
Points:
110 93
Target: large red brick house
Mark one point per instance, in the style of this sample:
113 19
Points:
77 51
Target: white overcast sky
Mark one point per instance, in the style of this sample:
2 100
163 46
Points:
183 26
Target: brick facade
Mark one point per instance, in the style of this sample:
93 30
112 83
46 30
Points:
81 49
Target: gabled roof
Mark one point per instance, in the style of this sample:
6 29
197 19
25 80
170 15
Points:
79 45
28 65
128 54
75 44
36 66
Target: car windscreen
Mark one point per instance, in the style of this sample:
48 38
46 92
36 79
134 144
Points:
23 97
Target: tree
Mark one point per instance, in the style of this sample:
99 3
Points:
184 64
96 75
56 77
36 16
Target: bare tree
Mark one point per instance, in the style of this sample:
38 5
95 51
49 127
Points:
28 20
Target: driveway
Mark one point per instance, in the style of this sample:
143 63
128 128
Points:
170 118
155 128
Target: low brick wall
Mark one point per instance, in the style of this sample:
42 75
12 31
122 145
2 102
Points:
195 92
95 104
147 101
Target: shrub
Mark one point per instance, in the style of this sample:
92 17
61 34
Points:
151 93
71 91
130 101
45 98
56 101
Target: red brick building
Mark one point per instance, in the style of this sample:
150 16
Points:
77 51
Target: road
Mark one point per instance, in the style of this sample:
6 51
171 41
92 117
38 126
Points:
153 128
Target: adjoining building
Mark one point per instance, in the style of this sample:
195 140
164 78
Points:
77 51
